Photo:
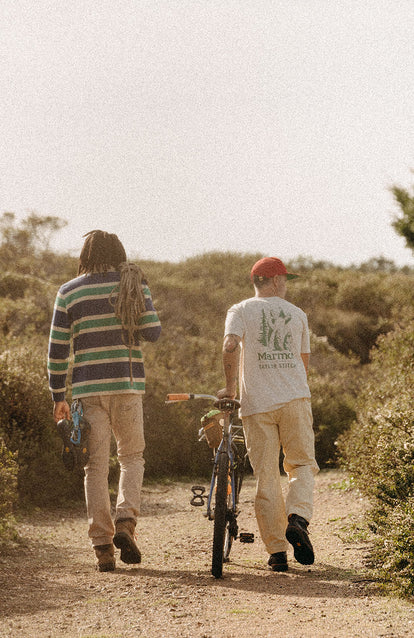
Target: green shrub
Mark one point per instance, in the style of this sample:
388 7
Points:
346 308
13 285
353 308
8 493
394 548
352 333
364 293
333 413
171 431
378 450
27 428
334 381
29 315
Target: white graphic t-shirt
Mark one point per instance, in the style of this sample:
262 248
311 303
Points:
274 333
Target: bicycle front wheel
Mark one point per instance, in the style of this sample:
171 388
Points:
232 529
220 514
230 532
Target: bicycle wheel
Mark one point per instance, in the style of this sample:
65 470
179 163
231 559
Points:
220 514
231 531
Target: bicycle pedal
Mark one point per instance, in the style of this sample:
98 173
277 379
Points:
246 537
199 496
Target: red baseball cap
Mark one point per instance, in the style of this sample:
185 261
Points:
270 267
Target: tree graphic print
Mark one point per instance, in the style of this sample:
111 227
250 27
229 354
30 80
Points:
263 330
274 332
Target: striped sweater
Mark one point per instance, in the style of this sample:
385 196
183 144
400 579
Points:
82 313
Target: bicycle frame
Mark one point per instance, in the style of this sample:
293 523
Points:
225 482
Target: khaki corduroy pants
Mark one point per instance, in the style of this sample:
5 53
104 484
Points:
290 426
121 414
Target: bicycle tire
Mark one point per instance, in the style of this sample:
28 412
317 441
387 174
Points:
231 531
220 514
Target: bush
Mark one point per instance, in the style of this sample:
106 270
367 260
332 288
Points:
171 431
347 309
8 492
27 428
13 285
334 381
30 315
378 451
352 333
394 554
353 308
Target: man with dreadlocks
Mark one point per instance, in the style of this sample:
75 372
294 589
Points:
106 312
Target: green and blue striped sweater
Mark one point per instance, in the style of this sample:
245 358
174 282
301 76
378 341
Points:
101 359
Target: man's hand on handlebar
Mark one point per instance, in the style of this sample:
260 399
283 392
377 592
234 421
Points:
226 393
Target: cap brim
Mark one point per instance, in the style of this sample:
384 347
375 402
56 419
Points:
291 276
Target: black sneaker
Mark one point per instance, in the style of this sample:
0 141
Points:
297 535
278 562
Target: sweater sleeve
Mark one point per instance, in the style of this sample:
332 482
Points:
149 323
59 349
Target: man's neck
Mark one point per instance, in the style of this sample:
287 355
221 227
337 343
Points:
271 291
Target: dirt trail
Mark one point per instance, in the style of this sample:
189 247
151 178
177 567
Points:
49 587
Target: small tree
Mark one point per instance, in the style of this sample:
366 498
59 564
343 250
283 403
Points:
30 238
404 224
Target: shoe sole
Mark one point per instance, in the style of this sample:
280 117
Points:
279 568
130 553
106 567
302 547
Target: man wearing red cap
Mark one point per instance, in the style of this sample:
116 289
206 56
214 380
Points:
267 346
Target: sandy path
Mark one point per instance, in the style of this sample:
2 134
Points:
49 587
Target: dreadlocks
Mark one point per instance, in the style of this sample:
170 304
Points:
101 252
128 302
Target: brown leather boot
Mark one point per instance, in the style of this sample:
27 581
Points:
124 540
106 558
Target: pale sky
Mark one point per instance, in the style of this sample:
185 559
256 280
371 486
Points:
187 126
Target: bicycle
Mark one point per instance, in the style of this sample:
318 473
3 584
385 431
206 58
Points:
230 459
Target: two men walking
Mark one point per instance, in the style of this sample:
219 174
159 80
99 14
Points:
105 312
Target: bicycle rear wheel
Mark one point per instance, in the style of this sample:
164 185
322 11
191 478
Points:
220 514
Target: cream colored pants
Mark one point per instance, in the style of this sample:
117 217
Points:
121 414
290 427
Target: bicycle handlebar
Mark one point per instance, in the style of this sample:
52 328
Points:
184 396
